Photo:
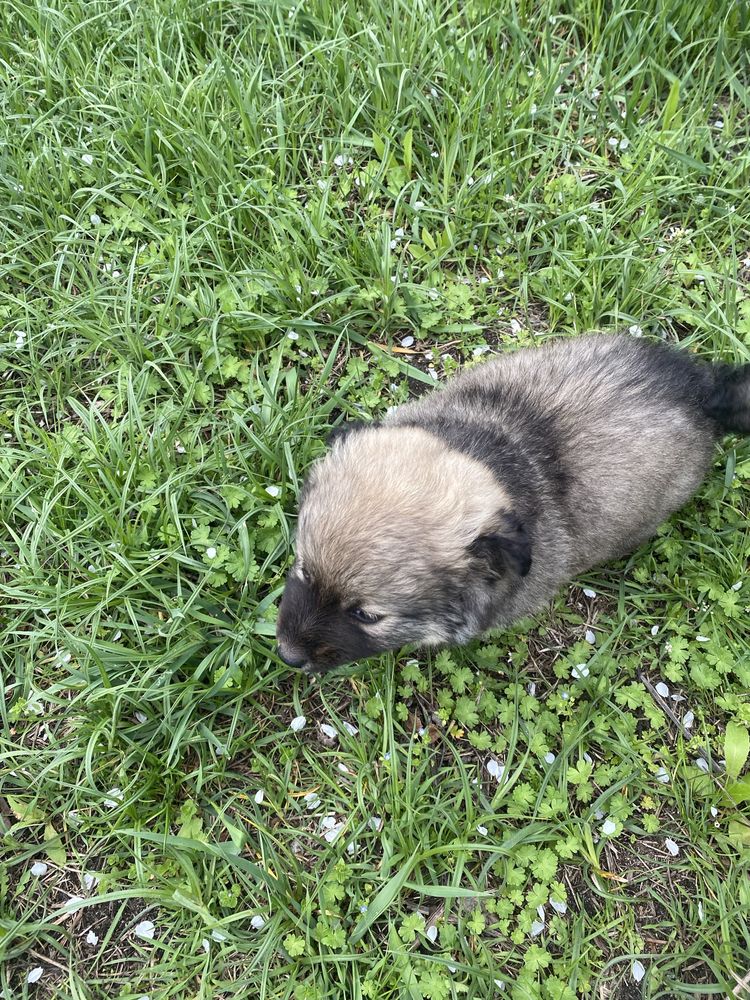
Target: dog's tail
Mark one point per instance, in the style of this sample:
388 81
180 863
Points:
729 400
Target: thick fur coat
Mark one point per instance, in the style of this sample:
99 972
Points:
468 508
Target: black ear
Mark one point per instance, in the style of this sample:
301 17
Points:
348 427
508 548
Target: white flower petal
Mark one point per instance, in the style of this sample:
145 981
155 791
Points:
334 832
688 719
673 848
702 764
482 830
431 933
662 689
273 491
559 906
206 945
352 730
298 722
494 769
311 800
257 922
703 638
549 758
259 796
328 731
654 630
608 827
638 971
407 341
714 811
141 717
88 159
92 938
35 975
662 775
39 868
146 930
375 822
114 795
589 592
590 637
536 928
90 881
210 552
218 935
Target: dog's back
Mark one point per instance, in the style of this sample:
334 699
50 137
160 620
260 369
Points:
604 436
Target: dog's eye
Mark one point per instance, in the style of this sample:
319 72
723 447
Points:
305 575
364 616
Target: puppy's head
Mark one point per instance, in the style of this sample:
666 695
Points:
400 540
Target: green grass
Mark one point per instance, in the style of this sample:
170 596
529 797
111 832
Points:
218 220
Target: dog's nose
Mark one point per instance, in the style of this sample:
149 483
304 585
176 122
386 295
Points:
292 657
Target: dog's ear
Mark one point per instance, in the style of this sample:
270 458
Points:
348 427
507 547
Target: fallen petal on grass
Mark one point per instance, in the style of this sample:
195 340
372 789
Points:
114 797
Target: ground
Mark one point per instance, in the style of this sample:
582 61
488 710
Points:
225 227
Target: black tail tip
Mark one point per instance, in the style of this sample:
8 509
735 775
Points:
729 402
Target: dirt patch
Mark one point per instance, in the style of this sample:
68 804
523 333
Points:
96 941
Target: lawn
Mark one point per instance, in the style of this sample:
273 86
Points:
225 226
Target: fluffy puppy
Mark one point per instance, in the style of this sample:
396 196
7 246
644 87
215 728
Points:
468 508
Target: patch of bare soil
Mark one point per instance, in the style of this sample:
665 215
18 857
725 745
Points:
93 942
